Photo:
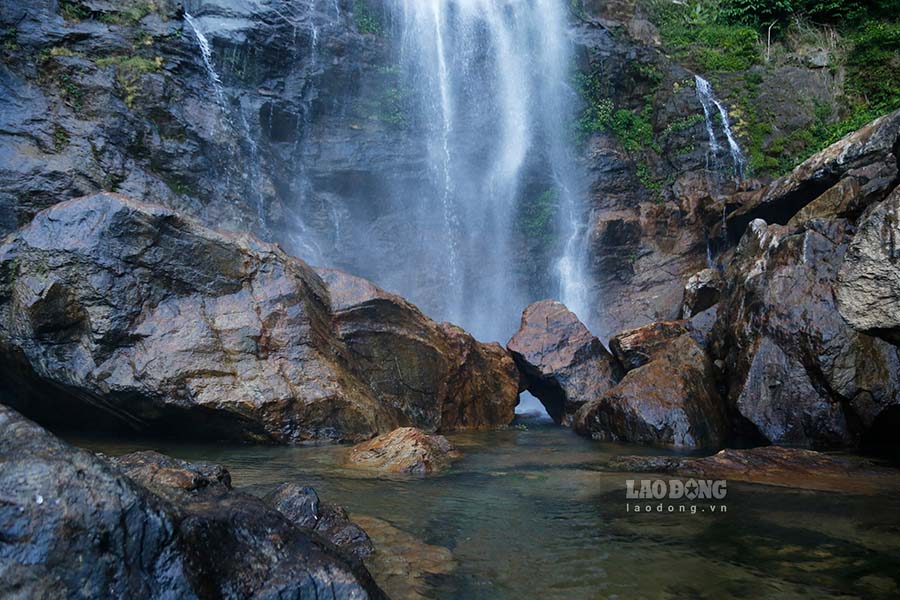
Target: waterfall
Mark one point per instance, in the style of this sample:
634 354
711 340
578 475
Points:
206 55
712 106
490 79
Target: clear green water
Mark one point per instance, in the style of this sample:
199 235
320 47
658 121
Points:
533 514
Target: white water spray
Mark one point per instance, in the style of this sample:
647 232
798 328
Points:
491 79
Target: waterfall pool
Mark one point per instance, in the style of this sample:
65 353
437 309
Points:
532 512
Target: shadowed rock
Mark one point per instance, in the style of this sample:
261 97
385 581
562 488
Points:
407 451
797 373
562 363
670 401
838 182
773 465
440 377
75 526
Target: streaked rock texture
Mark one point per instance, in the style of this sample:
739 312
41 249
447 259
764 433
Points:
407 451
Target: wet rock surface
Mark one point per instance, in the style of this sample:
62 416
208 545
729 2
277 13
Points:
406 451
75 526
302 507
562 363
671 400
637 347
125 316
773 465
440 376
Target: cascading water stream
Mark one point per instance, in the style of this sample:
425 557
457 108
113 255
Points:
491 79
712 106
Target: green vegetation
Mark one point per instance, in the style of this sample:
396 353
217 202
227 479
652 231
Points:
537 218
129 70
698 35
366 21
60 139
72 10
129 15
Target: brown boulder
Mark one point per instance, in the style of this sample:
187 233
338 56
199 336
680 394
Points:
562 363
437 375
406 450
637 347
773 465
670 401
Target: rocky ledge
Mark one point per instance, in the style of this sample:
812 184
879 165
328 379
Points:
125 316
142 526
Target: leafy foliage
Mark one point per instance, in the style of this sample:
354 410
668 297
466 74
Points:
366 21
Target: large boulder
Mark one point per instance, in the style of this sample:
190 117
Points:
74 526
798 374
671 400
561 362
868 286
122 315
407 451
436 374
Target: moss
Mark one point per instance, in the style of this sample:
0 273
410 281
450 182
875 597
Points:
365 20
74 11
60 139
130 15
129 70
873 66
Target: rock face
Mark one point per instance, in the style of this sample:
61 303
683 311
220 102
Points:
124 315
701 292
773 465
798 374
670 401
868 286
439 376
301 506
637 347
562 363
74 526
407 451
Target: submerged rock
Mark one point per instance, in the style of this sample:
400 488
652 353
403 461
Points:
773 465
407 450
122 315
671 400
75 526
439 376
561 362
157 472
